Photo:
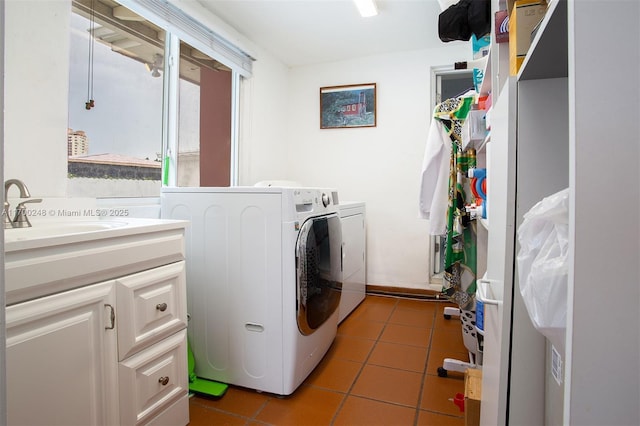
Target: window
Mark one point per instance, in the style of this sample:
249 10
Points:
137 119
204 122
115 146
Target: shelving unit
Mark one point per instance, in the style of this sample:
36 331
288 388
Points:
529 119
553 128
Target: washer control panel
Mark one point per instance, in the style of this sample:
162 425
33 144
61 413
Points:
314 200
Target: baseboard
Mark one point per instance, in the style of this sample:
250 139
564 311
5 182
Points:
417 293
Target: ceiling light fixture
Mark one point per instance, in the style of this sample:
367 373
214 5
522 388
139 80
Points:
367 8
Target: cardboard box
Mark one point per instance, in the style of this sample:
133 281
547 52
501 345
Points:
524 17
472 396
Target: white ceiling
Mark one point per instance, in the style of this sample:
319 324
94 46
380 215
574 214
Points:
303 32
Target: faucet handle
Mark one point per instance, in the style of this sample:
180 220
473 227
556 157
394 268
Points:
6 219
21 220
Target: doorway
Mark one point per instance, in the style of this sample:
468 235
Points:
446 83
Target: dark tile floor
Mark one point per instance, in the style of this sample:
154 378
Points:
381 370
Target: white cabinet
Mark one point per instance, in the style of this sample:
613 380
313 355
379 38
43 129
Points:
61 359
529 161
107 353
576 115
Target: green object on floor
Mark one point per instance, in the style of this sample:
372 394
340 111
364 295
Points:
203 386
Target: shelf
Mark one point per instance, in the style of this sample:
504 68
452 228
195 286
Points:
485 87
479 146
547 56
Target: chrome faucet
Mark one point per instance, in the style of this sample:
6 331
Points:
20 220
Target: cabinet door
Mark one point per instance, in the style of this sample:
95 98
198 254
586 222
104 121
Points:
152 305
61 359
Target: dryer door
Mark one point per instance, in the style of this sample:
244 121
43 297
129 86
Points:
318 270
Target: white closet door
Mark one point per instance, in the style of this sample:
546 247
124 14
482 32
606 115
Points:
497 321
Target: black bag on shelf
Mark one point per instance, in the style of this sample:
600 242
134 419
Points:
480 17
453 23
464 18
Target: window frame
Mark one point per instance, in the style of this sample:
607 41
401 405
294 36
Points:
179 26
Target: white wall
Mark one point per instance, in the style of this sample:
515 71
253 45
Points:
100 188
36 93
380 166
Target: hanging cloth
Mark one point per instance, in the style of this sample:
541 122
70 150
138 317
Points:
460 248
434 179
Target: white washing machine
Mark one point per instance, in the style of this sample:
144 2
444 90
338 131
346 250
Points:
264 271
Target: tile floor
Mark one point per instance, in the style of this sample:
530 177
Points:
381 370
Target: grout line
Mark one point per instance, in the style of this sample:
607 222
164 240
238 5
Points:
364 363
426 364
259 410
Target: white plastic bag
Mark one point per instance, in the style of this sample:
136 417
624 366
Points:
543 264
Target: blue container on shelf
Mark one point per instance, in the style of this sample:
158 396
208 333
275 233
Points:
479 314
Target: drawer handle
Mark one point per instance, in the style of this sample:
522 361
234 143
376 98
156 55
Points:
112 317
161 307
164 380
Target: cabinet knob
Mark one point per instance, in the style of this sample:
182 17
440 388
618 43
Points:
164 380
161 307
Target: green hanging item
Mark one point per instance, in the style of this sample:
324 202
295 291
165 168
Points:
166 162
203 386
460 248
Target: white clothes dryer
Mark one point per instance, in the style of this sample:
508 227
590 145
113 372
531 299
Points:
354 257
264 272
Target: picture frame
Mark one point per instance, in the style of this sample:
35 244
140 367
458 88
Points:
348 106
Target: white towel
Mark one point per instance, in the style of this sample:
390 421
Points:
435 178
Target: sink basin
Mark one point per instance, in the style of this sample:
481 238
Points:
54 229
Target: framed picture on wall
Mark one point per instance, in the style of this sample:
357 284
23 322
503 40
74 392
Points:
348 106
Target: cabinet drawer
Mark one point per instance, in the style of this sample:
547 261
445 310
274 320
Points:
153 379
151 306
